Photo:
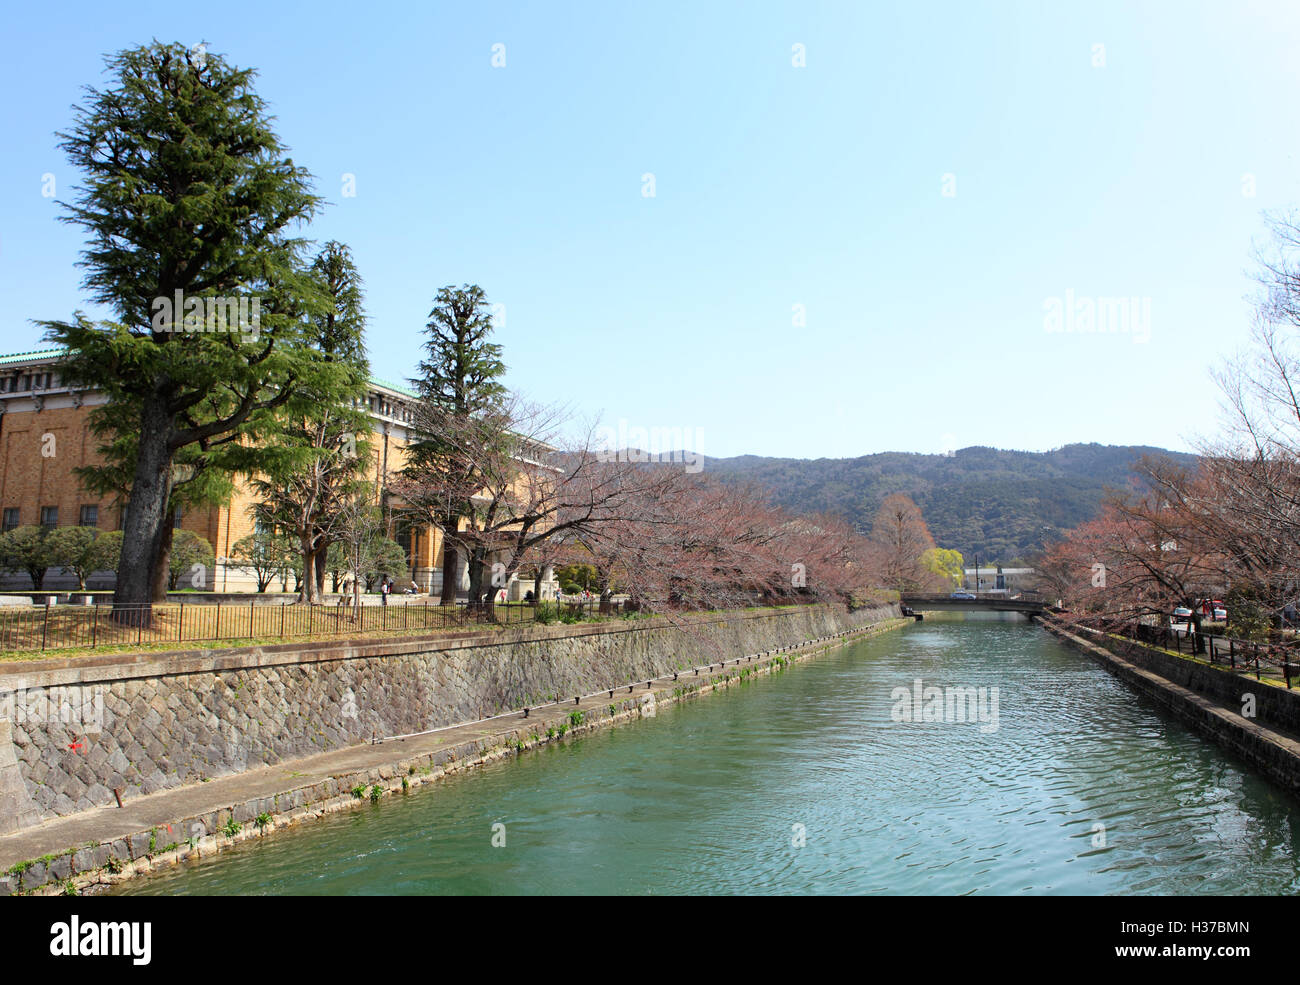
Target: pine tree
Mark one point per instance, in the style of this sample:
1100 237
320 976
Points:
320 451
461 393
188 201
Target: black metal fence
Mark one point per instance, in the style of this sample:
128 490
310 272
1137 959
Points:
1249 656
61 627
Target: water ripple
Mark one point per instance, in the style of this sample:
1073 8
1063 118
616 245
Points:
803 783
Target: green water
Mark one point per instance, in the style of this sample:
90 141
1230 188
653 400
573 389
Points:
705 798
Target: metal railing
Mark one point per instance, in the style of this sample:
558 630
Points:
1247 656
967 595
62 627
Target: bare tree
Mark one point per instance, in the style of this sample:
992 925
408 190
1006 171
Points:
902 538
359 530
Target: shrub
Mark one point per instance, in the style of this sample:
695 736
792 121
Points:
73 548
270 556
1248 618
26 549
189 550
106 552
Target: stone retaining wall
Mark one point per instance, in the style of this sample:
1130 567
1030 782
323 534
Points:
1275 706
1208 699
178 718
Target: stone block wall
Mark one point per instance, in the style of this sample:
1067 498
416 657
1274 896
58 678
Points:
1208 699
1274 706
173 719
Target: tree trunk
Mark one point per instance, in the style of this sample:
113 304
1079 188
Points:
146 518
356 588
320 571
450 570
476 561
162 576
307 582
1197 638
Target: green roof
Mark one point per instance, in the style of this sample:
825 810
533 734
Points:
37 354
24 357
404 390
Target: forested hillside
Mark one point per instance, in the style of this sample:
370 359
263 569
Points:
1003 505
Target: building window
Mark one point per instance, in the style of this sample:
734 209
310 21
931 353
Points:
49 517
12 514
89 516
176 518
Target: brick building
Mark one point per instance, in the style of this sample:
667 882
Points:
45 436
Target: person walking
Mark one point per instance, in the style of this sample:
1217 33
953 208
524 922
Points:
384 589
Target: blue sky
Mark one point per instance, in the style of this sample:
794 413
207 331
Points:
775 186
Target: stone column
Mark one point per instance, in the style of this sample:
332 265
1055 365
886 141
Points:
425 557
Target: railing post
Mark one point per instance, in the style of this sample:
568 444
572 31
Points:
180 625
45 627
217 630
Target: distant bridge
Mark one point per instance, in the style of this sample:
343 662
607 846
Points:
1028 603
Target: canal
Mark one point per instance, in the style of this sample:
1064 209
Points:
805 783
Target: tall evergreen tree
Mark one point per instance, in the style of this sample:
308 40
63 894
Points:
188 201
460 390
321 450
194 483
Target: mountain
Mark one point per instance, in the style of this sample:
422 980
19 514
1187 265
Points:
1002 505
